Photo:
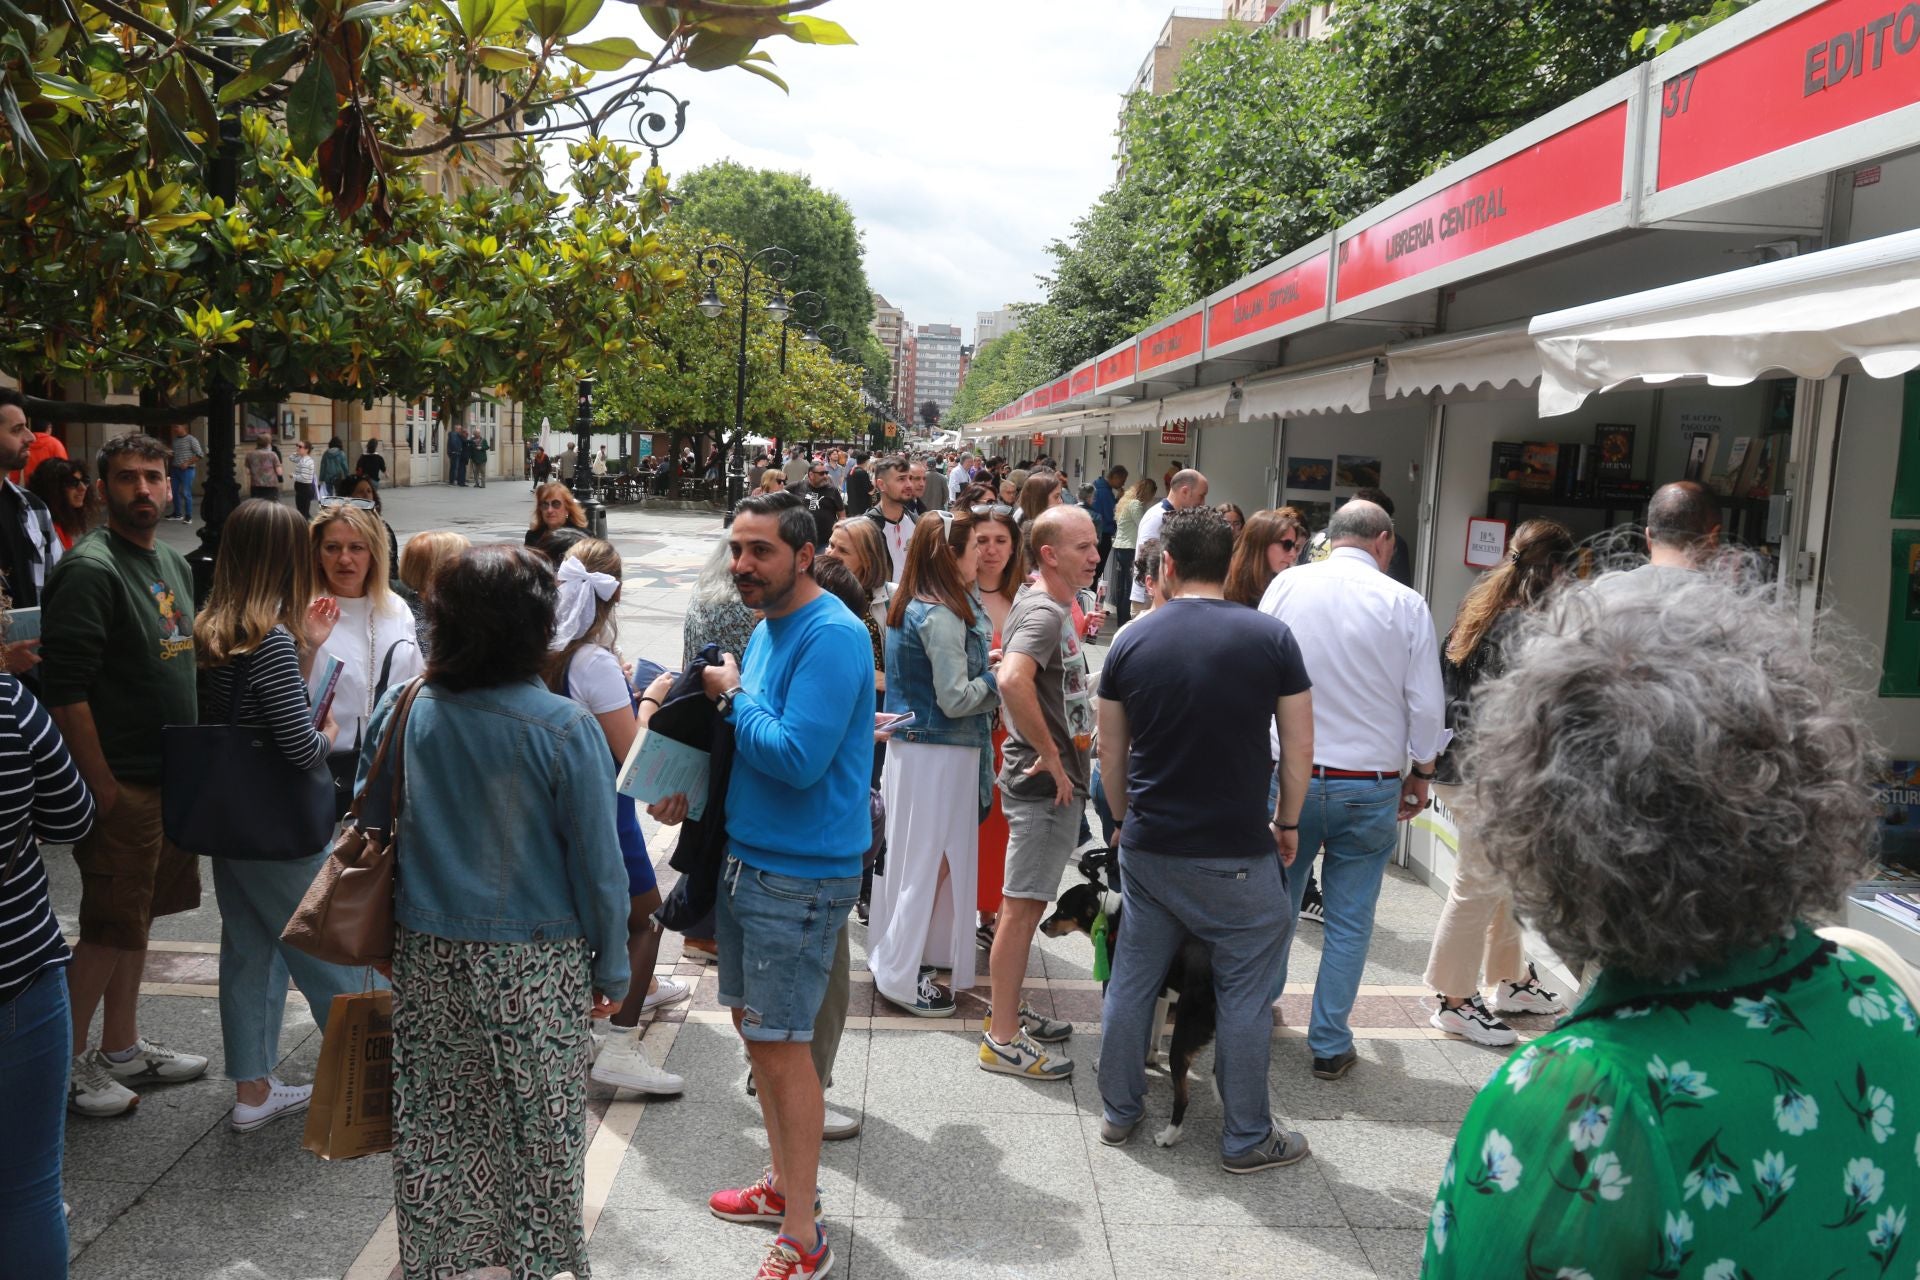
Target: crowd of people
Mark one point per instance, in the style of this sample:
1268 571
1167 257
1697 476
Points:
908 727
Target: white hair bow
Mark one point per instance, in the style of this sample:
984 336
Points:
581 590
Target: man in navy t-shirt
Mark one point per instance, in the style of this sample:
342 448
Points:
1186 698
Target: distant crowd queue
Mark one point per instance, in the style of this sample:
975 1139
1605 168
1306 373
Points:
897 669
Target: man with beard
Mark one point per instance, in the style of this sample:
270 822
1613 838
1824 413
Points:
823 500
917 490
801 706
118 648
28 547
893 511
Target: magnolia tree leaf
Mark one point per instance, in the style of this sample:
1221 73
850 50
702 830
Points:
312 108
608 54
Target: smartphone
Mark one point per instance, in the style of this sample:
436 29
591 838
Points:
891 721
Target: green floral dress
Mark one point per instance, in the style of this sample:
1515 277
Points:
1744 1124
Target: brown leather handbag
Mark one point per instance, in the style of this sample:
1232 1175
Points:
346 916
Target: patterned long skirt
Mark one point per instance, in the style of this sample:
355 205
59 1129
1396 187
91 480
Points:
490 1052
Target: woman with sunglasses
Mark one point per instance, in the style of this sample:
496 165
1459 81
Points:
554 507
1271 543
63 485
1126 530
1000 566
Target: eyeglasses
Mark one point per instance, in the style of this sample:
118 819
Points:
1286 544
358 504
79 480
992 509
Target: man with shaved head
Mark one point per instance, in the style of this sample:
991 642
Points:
1184 489
1048 699
1683 525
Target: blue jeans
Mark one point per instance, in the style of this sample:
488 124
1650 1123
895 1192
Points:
1238 907
36 1045
183 491
256 901
776 935
1353 822
1100 809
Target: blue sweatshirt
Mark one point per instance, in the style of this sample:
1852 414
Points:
797 800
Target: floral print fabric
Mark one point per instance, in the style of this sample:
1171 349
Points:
1742 1124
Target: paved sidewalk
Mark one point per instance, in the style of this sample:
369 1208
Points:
957 1173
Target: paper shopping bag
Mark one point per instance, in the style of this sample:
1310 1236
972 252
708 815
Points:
351 1113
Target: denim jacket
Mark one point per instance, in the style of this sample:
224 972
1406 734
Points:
937 669
506 833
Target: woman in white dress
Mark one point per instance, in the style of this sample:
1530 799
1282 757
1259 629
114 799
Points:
374 638
937 780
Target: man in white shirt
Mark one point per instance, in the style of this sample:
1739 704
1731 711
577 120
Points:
1377 704
1187 489
892 511
961 476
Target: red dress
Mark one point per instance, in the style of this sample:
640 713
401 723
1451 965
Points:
993 834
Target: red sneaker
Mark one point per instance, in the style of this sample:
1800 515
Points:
786 1261
757 1203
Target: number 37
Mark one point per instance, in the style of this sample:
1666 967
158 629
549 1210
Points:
1677 94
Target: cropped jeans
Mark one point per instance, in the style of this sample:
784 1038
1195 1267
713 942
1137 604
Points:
256 901
36 1044
1354 822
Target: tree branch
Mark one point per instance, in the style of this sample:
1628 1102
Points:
128 18
720 9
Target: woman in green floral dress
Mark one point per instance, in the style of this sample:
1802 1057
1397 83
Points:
1681 787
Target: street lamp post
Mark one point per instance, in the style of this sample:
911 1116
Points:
777 266
582 482
806 306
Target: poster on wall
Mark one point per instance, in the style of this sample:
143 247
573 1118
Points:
1900 659
1906 480
1356 471
1309 473
1316 514
1486 543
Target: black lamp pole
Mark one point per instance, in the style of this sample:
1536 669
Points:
582 482
777 266
806 306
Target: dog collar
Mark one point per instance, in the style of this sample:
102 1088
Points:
1109 903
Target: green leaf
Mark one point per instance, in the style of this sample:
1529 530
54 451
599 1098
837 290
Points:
474 16
376 9
498 58
710 50
312 108
807 29
663 19
259 77
765 73
163 127
61 87
553 19
608 54
17 125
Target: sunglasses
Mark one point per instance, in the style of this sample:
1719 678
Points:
358 504
992 509
1286 544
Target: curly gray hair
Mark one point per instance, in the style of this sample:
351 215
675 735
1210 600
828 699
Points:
1669 771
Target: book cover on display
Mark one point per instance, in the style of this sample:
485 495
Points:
1614 441
1899 795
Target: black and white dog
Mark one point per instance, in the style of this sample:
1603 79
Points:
1189 980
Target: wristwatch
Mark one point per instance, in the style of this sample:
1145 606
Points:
724 703
1424 777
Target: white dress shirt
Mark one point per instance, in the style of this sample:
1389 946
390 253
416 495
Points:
1156 515
1370 652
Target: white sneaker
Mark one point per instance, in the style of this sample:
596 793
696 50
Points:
156 1062
282 1100
1527 996
92 1090
624 1064
840 1126
1473 1021
666 991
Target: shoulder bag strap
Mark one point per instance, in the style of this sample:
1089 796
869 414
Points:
400 716
239 668
388 741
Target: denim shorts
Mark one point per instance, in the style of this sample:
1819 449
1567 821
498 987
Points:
776 935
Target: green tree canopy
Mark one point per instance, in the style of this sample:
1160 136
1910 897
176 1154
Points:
1003 369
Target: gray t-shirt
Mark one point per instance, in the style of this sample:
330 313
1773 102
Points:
1042 628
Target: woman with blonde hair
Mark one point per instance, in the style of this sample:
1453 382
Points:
936 780
1271 543
253 641
1477 931
584 666
554 507
367 627
772 480
424 556
1126 532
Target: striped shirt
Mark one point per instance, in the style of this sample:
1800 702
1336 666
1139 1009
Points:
41 795
276 696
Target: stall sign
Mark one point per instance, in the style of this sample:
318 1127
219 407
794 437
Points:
1117 367
1039 440
1486 543
1174 433
1082 379
1576 171
1062 391
1300 290
1172 342
1838 64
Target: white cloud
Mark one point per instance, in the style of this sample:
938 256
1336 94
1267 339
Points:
965 137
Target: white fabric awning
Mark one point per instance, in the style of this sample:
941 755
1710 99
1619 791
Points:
1201 406
1341 386
1804 316
1463 362
1085 425
1132 419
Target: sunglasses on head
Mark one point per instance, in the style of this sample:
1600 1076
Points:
358 504
992 509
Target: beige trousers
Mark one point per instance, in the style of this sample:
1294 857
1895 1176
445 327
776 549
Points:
1478 931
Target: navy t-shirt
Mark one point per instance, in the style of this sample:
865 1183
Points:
1198 679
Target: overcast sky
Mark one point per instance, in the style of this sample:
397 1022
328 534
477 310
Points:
965 136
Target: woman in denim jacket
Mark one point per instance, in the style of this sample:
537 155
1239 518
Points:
511 904
937 778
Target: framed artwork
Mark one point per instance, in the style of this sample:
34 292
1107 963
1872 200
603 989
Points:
1315 513
1309 473
1357 471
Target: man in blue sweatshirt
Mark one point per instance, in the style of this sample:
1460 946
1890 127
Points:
801 705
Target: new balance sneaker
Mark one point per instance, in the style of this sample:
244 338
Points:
930 999
93 1091
1472 1020
1022 1058
282 1100
786 1260
153 1061
666 991
700 950
1311 906
1527 996
1279 1149
1042 1029
623 1063
837 1126
757 1203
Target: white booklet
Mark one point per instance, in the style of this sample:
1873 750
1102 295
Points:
658 767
